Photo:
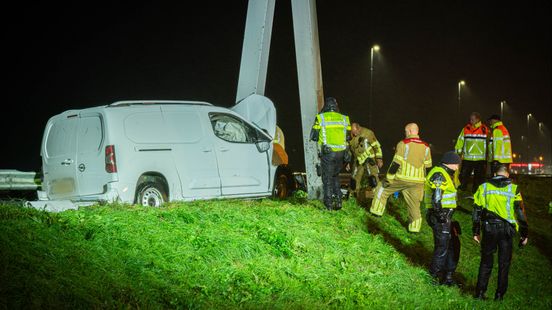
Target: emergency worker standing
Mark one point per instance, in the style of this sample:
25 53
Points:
472 146
406 174
500 145
440 201
499 212
331 131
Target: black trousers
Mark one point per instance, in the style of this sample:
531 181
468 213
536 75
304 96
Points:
331 164
445 254
479 169
496 235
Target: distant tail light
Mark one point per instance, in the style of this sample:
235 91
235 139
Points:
110 161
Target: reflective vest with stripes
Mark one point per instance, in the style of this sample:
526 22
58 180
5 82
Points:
499 200
333 128
413 162
448 199
472 142
500 146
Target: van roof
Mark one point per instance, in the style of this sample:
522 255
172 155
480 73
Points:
126 103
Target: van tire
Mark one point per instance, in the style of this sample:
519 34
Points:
281 187
151 194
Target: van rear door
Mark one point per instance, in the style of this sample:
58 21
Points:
59 157
90 164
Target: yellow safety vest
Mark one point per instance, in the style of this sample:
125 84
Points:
500 146
448 199
499 200
333 128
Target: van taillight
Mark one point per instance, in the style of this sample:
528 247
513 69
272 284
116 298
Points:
110 161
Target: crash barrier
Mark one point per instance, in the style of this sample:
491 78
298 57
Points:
11 180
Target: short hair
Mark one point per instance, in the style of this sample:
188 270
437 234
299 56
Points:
501 168
476 114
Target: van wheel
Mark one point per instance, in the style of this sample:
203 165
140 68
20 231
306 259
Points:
151 194
281 187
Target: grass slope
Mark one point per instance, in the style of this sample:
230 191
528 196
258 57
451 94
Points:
247 254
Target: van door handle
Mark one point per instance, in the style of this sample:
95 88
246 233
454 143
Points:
224 149
206 150
67 162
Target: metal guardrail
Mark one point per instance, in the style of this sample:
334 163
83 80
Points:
18 180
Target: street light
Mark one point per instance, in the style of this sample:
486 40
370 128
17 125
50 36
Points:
374 48
460 84
502 109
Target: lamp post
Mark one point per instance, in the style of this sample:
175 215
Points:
460 84
502 109
528 136
374 48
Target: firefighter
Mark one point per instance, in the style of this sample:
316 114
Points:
440 201
500 146
331 131
406 174
499 213
366 157
472 146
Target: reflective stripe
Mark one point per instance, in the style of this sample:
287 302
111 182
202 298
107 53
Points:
508 207
448 202
451 195
323 124
406 151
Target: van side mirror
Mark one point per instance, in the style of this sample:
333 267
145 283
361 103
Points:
263 146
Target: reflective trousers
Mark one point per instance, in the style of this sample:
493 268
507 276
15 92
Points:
412 192
331 164
479 169
496 235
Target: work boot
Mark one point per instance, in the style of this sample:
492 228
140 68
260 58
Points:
479 294
449 281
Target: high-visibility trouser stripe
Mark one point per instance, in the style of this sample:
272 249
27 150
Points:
474 157
378 206
415 226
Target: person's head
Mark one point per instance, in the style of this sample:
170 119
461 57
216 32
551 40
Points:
502 169
330 105
355 129
411 129
493 119
475 118
451 160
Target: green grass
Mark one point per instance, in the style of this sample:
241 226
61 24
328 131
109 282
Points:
248 254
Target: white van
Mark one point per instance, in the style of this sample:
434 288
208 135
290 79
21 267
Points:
150 152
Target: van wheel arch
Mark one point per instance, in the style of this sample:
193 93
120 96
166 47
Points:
153 188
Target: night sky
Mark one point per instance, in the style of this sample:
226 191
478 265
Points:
86 54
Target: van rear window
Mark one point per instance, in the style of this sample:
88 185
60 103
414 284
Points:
61 137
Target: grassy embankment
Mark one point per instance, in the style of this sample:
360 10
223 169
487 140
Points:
252 254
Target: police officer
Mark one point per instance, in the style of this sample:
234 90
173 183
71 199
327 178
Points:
331 131
367 158
472 146
500 146
499 212
406 174
440 201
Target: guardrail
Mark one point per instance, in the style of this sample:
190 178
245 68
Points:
15 180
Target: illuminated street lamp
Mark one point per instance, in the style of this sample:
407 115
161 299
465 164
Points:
374 48
460 84
502 109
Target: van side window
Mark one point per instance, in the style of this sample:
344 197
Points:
232 129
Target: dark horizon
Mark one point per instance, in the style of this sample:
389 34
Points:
73 57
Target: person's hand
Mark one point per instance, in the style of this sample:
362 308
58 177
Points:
379 162
477 238
348 167
523 241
